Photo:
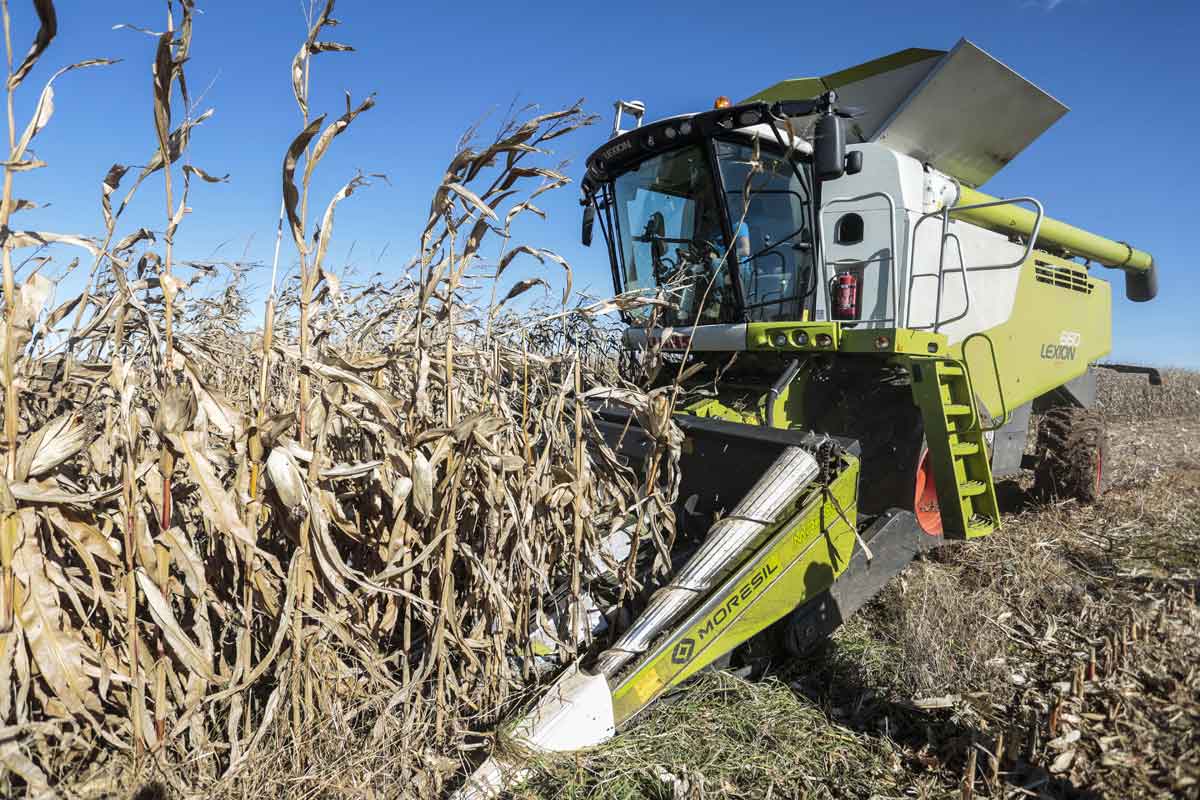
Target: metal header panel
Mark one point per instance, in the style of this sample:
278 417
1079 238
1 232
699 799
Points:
877 88
962 111
970 116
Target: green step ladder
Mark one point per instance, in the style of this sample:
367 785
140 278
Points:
962 467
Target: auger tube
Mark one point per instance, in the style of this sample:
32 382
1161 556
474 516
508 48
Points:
1141 277
728 539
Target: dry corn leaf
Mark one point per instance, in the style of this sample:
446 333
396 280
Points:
52 444
218 505
47 29
181 645
55 646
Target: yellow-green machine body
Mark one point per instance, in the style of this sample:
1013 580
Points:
892 263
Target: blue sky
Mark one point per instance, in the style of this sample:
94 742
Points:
1122 163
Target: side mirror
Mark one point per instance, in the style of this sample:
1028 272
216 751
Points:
589 219
854 162
829 148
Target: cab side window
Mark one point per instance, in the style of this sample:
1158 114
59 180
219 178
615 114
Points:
849 229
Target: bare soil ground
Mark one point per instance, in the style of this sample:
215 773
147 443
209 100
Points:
1055 659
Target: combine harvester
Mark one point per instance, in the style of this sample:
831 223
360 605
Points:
894 329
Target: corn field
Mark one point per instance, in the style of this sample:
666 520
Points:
1131 396
210 538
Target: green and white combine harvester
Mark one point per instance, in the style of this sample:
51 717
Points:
874 334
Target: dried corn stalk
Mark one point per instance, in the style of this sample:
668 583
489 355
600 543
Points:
355 515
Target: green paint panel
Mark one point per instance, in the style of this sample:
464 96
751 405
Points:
793 336
804 88
714 408
898 340
802 337
879 66
1053 334
791 89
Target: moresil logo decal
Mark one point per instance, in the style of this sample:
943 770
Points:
685 648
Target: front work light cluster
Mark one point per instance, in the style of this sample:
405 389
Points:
798 336
825 336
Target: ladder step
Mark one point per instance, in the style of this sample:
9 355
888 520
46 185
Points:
972 488
980 526
952 423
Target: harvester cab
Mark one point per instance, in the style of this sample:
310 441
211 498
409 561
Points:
867 337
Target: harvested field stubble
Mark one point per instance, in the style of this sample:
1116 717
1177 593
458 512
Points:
309 561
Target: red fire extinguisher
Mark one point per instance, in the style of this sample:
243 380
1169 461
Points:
845 296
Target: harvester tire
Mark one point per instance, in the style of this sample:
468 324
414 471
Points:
1072 453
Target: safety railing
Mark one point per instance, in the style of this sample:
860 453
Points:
944 215
1004 413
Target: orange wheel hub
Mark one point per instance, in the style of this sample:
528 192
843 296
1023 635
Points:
925 500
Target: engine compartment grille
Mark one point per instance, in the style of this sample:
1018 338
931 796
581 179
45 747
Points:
1075 280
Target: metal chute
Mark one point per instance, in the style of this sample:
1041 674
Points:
964 112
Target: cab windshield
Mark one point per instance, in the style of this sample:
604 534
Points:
769 213
671 235
672 218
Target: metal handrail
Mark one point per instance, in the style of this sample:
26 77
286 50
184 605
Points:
944 215
962 269
1004 414
825 278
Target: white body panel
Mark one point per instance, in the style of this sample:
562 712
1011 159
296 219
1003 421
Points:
899 277
702 338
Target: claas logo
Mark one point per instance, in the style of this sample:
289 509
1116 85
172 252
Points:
675 341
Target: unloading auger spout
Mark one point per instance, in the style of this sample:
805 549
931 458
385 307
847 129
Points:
1141 276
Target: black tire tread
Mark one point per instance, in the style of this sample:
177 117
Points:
1069 441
